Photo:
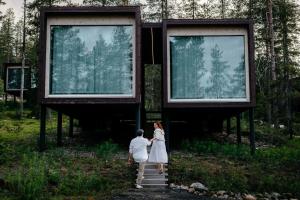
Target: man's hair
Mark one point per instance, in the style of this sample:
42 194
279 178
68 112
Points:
140 132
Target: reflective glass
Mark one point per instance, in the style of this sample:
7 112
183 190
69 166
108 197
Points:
207 67
14 78
91 59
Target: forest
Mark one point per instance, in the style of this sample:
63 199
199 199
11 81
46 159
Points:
91 166
276 31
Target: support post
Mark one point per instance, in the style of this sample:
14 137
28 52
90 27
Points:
42 139
238 128
71 122
59 128
228 126
138 117
252 134
167 121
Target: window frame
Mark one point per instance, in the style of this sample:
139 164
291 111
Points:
90 21
210 32
246 24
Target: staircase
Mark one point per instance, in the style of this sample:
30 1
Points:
152 178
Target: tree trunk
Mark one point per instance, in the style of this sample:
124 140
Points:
286 63
273 65
23 64
271 37
223 9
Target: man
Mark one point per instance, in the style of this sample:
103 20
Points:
138 151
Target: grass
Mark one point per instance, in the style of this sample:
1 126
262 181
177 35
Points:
231 167
75 171
72 171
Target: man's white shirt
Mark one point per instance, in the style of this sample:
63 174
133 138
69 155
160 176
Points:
138 148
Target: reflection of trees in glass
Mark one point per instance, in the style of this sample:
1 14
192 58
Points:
14 78
97 65
65 59
219 76
187 67
207 67
238 80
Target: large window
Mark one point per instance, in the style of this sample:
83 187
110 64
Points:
91 59
13 78
208 68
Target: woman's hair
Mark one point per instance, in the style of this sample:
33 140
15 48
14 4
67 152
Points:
159 125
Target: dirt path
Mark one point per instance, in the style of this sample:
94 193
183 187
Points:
149 193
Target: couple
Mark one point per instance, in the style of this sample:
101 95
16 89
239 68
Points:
158 153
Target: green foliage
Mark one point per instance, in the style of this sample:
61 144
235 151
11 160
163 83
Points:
231 167
29 180
211 147
106 150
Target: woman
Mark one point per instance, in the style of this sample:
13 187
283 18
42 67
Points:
158 153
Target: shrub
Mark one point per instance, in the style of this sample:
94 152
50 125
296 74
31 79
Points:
107 149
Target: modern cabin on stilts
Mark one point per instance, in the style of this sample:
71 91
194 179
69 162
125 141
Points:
92 68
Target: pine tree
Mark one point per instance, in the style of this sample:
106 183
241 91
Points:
7 37
238 80
1 3
219 75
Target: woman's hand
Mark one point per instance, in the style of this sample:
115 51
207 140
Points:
130 161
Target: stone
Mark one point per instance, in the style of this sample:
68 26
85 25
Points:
259 195
199 186
275 194
172 185
183 187
221 192
191 190
287 195
249 197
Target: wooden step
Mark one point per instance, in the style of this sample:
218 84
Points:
154 185
154 175
151 170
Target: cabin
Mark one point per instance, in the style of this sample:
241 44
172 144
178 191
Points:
90 65
12 78
93 66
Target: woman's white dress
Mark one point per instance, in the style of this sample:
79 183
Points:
158 152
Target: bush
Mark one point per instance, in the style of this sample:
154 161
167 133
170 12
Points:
107 149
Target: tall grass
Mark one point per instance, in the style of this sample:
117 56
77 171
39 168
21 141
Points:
29 181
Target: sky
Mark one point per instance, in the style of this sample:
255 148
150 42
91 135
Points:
17 5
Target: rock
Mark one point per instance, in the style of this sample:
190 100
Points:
275 195
287 195
183 187
249 197
221 192
214 196
259 195
267 195
191 190
172 185
199 186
